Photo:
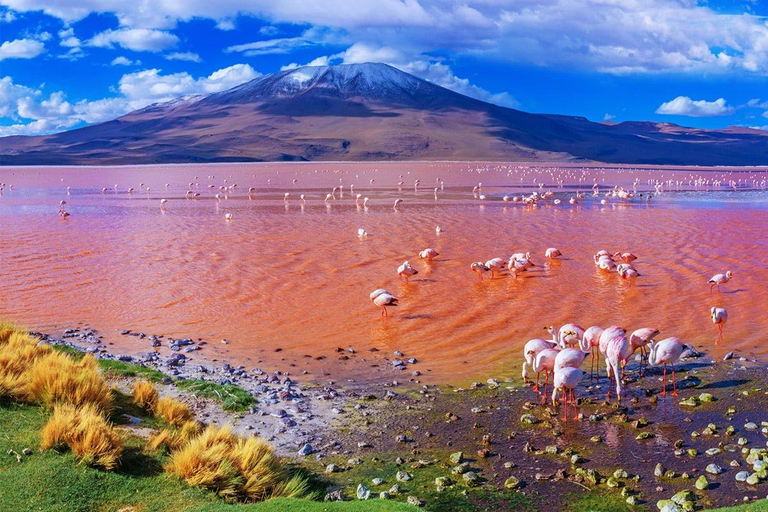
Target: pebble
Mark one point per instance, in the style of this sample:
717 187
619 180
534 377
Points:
403 476
742 476
714 469
306 450
363 493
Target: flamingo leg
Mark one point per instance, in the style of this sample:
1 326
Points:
664 392
674 381
610 381
546 382
565 404
597 365
720 337
573 395
536 387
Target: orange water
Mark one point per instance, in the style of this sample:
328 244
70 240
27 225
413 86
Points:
279 276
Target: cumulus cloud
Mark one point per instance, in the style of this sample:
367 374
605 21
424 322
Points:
685 106
645 36
137 39
137 90
21 49
123 61
185 56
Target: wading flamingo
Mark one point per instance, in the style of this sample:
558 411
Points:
552 253
565 380
665 352
606 336
591 341
382 298
626 257
429 254
406 270
495 265
616 355
570 358
719 279
531 349
719 317
479 268
639 339
627 272
544 362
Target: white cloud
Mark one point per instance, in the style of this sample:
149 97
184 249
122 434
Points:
270 46
685 106
609 117
765 114
21 49
225 25
123 61
137 39
136 90
612 36
320 61
186 56
7 16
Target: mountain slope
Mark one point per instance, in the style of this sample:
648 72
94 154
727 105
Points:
366 112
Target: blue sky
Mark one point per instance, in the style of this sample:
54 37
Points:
67 63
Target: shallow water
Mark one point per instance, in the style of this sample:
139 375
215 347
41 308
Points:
281 276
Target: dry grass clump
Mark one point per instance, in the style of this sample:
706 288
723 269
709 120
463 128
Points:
85 431
235 468
172 439
144 395
18 352
56 378
172 411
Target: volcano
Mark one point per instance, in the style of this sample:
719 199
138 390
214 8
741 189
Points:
370 112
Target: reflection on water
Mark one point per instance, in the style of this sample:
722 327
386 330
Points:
296 276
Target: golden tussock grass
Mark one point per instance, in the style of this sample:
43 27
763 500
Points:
172 411
172 439
235 467
56 378
85 431
18 353
144 394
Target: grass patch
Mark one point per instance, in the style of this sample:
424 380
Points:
121 369
232 398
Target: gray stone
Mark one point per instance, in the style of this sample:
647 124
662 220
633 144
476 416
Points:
403 476
363 493
306 450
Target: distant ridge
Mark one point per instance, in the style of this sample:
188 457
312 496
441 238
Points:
370 112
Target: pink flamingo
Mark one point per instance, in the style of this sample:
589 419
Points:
479 268
552 253
544 362
495 265
590 341
531 349
606 336
719 317
719 279
626 257
429 254
406 271
640 338
665 352
617 352
570 358
570 334
627 272
565 380
382 298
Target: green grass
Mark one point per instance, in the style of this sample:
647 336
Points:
232 398
121 369
53 481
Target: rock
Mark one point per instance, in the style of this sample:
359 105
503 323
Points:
753 479
512 483
659 470
470 478
632 501
413 501
363 493
529 419
383 495
395 490
644 435
707 397
668 506
400 438
336 495
713 451
750 426
306 450
26 451
728 356
403 476
377 481
331 468
701 483
742 476
682 497
612 482
576 458
714 469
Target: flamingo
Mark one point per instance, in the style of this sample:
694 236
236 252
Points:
495 265
438 230
640 338
606 336
719 317
228 217
516 267
665 352
627 272
382 298
626 257
429 254
406 270
544 362
568 332
552 253
365 202
570 358
361 233
398 202
531 349
566 379
605 263
357 199
616 354
162 203
591 341
479 268
719 279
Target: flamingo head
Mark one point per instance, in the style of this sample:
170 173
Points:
729 274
